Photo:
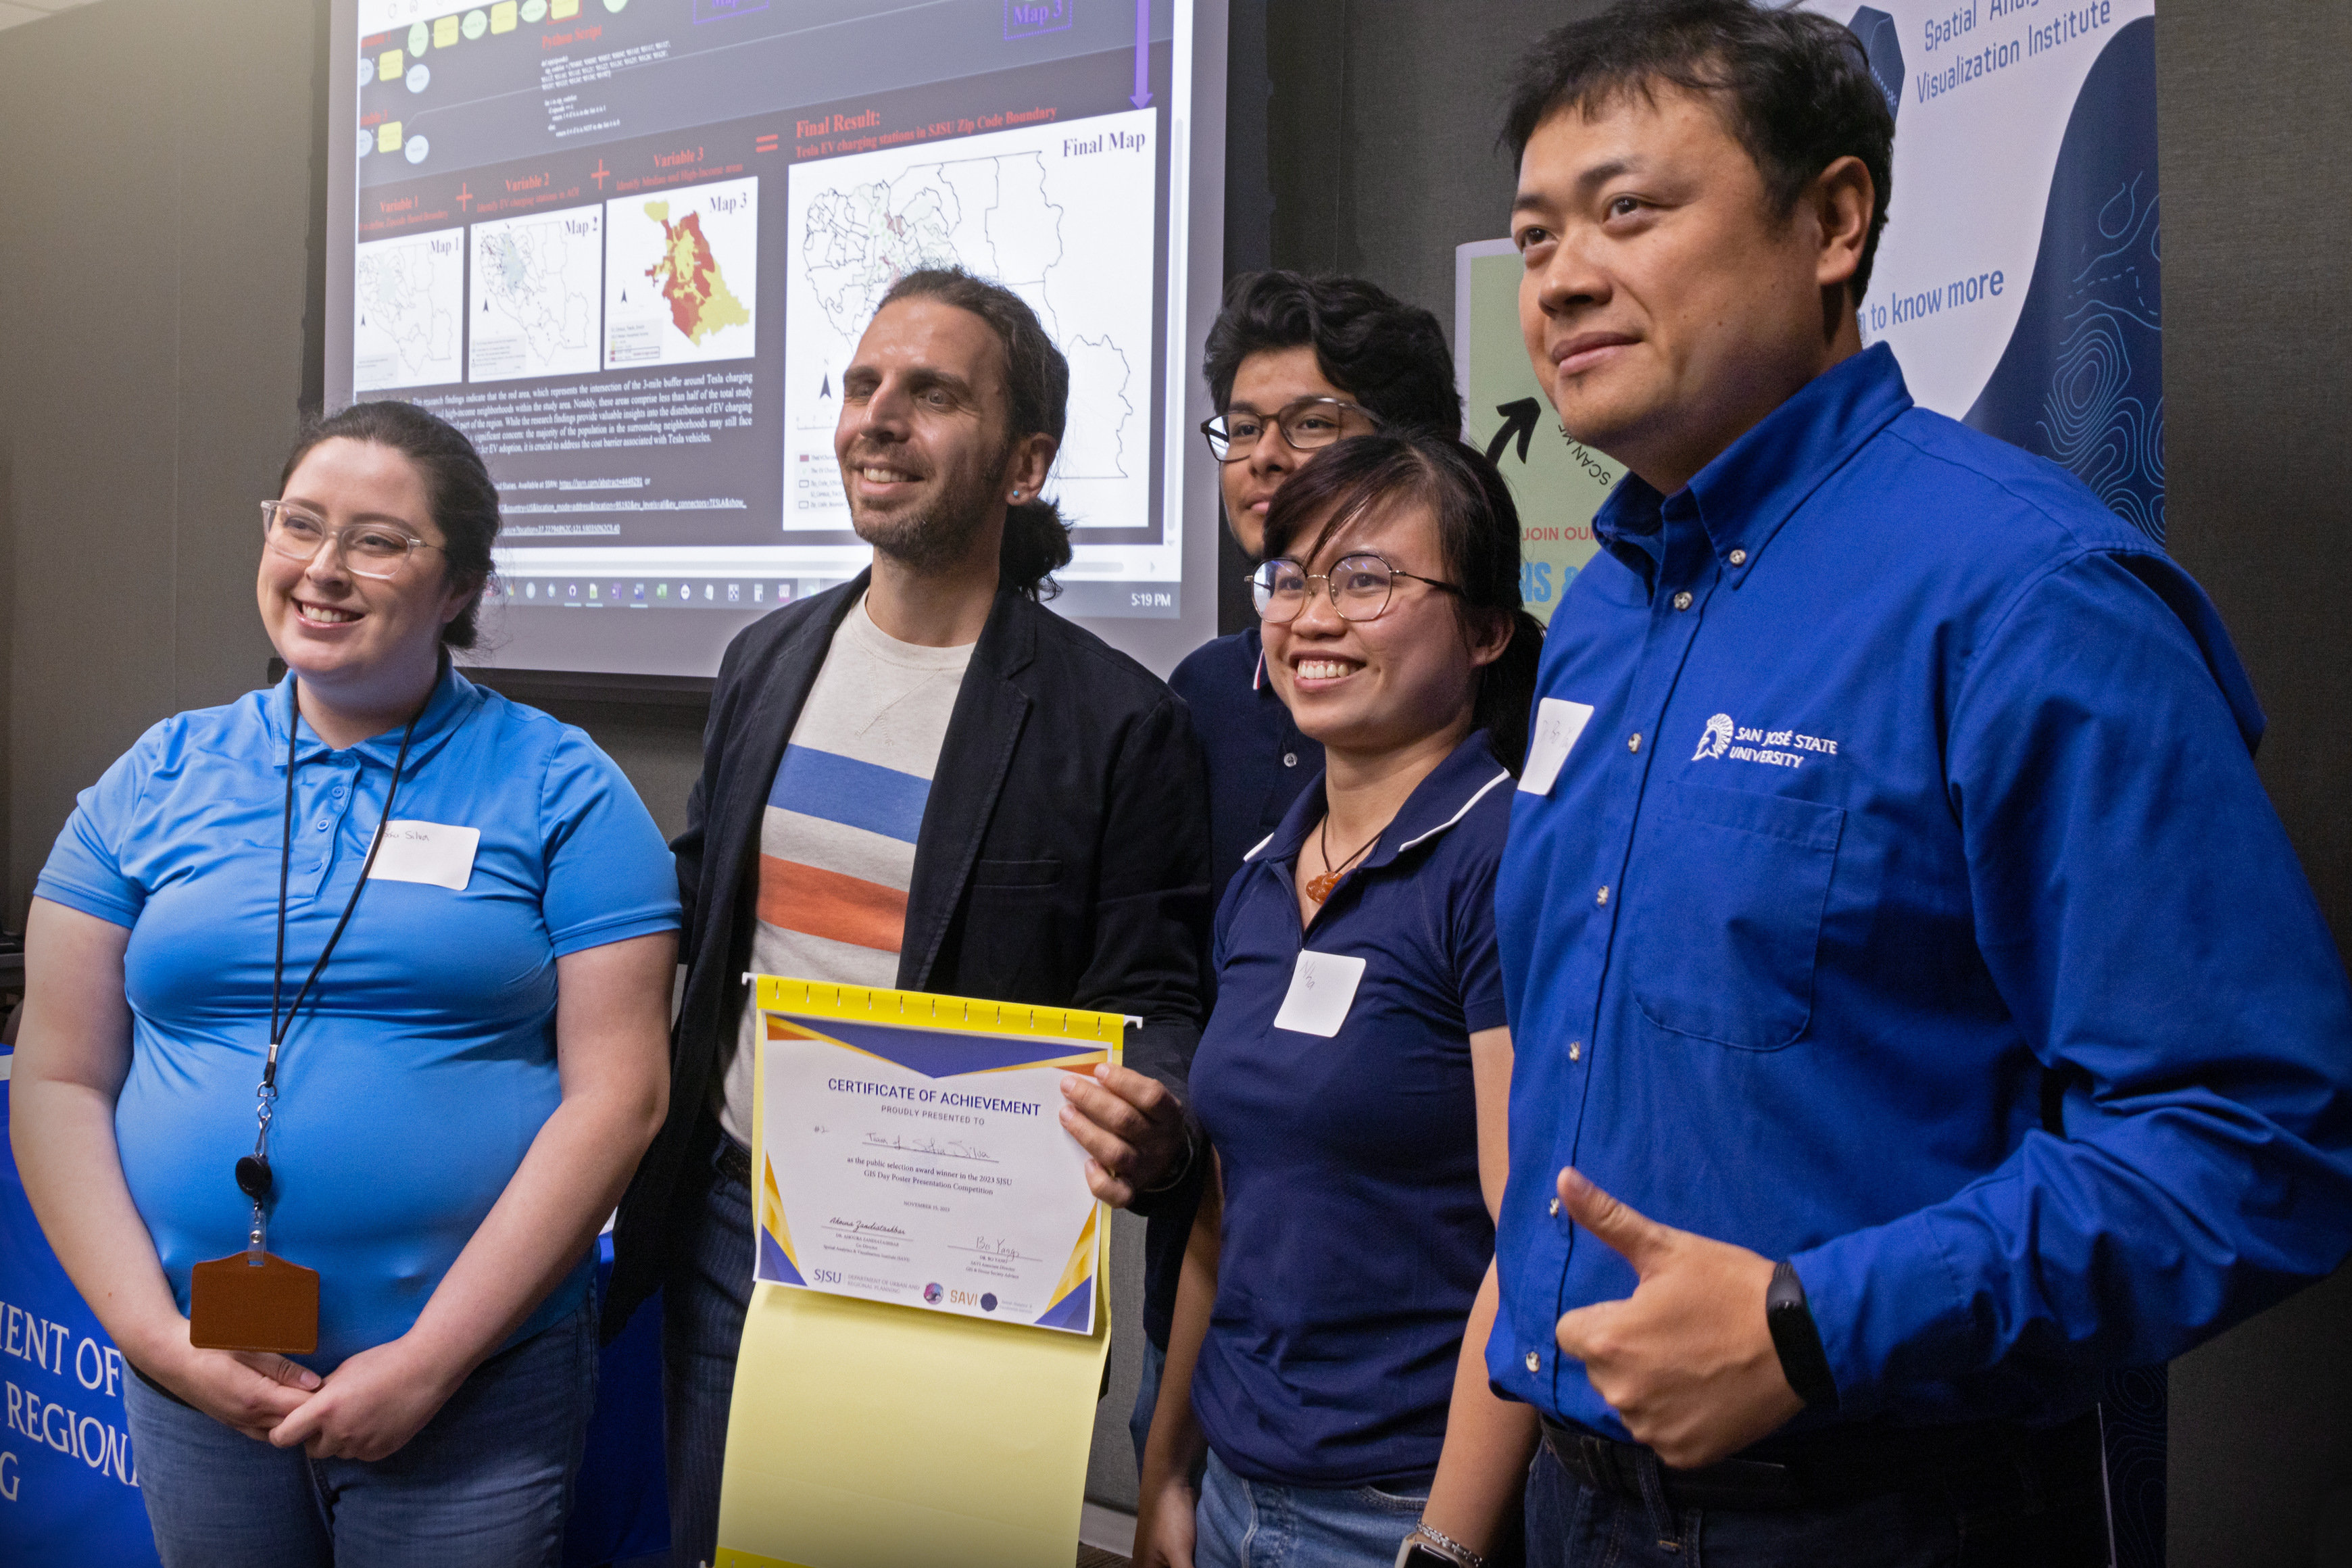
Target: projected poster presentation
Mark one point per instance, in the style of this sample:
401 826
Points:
630 246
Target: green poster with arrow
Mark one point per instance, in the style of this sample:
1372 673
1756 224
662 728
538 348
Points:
1558 483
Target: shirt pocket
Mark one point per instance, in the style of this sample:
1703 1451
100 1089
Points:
1725 920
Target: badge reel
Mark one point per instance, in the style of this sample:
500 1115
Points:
255 1300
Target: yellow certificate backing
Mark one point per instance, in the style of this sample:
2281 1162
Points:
864 1434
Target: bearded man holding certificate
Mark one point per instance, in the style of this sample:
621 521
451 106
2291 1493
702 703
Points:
923 780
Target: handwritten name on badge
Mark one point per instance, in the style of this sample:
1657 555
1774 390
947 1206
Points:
431 852
1321 989
1558 723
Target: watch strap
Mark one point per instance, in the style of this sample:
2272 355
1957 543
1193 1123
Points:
1430 1548
1183 1166
1797 1339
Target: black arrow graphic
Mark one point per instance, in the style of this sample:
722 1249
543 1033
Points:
1519 419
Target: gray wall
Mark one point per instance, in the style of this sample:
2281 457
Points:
2258 373
156 183
1381 133
157 290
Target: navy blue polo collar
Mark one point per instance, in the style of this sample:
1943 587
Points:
454 701
1754 485
1468 774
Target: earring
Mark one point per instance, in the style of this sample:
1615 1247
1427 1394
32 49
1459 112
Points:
1016 495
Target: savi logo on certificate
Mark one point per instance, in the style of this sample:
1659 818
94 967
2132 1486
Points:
910 1150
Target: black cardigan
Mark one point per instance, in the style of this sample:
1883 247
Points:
1062 860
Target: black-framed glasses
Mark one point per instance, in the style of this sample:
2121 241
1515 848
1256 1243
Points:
1309 423
1359 586
369 549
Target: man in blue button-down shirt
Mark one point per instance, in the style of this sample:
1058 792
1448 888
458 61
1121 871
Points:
1894 927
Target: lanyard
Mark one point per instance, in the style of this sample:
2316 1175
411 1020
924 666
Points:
253 1175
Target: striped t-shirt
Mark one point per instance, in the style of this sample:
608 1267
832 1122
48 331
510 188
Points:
837 837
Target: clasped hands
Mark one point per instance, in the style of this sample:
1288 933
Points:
367 1408
1687 1361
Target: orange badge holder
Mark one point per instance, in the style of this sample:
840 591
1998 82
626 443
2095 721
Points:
237 1305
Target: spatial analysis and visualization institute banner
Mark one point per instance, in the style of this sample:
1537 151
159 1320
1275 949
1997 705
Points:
2018 277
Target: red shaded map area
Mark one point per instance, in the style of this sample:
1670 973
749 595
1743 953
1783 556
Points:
701 303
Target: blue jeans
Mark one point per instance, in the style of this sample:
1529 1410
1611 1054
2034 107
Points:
1253 1524
703 1305
1571 1525
485 1484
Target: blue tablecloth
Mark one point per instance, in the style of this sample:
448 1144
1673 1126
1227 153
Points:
68 1479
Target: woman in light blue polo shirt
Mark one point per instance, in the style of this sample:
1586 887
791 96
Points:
367 975
1353 1076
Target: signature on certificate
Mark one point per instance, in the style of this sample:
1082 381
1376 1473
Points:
991 1246
945 1148
863 1227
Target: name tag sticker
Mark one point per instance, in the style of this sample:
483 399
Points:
431 852
1559 723
1321 989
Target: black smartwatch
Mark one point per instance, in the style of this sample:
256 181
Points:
1803 1360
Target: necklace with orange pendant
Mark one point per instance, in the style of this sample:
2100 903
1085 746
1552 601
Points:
1318 888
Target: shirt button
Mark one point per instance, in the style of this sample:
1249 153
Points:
1682 600
338 791
1535 1362
1600 898
1739 558
1555 1206
1575 1049
1290 758
1634 744
322 825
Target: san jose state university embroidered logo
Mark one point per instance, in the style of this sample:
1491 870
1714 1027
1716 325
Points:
1727 740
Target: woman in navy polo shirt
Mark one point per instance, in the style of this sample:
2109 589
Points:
452 925
1353 1076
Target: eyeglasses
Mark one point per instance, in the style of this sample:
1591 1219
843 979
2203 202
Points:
1309 423
1359 586
369 549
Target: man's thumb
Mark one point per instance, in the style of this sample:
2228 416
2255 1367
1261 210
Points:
1634 1236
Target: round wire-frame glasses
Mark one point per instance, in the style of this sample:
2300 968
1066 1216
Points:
1360 585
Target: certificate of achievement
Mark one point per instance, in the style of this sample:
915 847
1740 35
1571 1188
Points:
910 1150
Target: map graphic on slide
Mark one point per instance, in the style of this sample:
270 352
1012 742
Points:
537 290
1060 214
405 321
681 274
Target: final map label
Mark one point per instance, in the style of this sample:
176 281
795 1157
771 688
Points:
1061 214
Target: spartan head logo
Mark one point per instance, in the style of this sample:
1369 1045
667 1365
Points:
1711 744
